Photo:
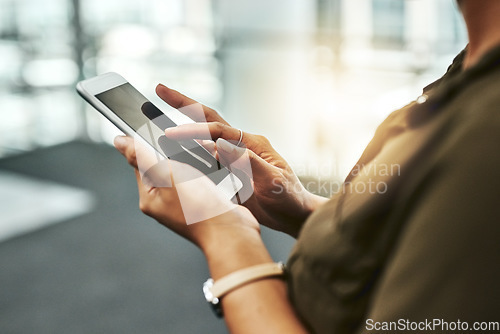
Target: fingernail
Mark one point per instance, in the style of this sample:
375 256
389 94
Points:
225 145
120 142
162 85
169 131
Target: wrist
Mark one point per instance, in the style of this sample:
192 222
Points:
234 244
309 202
223 230
314 201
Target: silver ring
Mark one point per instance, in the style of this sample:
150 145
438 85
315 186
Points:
241 137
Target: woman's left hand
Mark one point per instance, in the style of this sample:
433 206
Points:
230 241
181 198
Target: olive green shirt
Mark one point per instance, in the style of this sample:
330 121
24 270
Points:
423 242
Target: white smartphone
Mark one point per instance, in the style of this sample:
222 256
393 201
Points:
132 113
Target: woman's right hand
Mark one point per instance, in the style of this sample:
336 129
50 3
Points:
278 199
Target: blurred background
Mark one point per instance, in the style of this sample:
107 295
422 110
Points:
315 77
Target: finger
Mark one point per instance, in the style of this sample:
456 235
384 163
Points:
243 159
188 106
208 145
154 169
158 175
241 162
247 166
147 195
212 131
125 145
199 197
144 190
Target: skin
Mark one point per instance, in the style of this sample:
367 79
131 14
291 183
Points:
483 27
232 241
279 200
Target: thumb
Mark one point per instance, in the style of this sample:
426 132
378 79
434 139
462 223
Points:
239 161
242 159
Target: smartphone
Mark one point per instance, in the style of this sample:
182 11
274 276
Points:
125 107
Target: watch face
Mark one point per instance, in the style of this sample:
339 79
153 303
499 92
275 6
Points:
213 301
207 290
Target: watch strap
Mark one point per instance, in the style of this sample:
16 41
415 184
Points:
215 290
241 277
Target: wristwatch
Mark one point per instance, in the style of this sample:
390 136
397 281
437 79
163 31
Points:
214 291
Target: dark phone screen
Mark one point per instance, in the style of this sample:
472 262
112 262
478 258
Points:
150 123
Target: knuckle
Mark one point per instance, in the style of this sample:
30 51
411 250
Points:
219 126
144 207
218 129
130 159
211 112
263 139
130 153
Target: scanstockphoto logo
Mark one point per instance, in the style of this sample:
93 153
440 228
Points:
431 325
204 186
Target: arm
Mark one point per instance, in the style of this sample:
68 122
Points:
446 263
261 306
230 241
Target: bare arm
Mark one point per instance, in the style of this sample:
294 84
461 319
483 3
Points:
259 307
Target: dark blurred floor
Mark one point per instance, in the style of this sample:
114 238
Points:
113 270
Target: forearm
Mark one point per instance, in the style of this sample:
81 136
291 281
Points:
261 307
257 307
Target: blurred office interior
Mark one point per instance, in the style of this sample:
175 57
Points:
315 77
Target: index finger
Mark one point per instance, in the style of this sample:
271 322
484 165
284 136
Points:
187 105
210 131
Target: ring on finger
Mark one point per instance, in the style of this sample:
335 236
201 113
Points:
241 137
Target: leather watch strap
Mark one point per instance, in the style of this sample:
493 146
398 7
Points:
241 277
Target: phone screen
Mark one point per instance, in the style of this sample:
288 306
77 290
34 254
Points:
150 123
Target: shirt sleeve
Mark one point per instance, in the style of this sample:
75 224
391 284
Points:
445 265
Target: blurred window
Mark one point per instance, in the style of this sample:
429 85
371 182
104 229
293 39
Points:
259 62
388 23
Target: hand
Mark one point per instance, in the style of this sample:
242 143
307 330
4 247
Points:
181 198
230 240
279 200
